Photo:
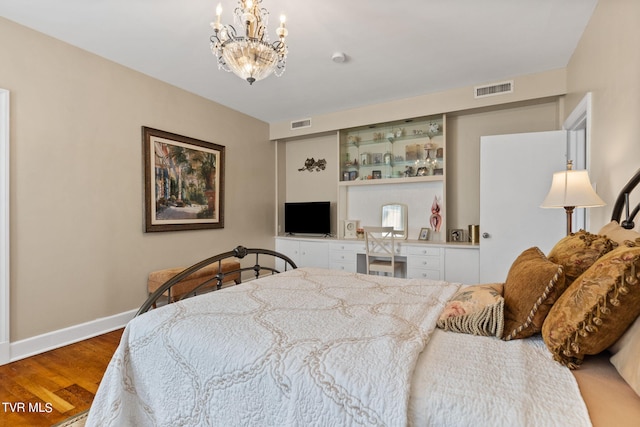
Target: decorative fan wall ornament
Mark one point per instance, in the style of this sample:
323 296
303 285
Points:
311 165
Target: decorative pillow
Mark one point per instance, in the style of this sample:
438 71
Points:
578 251
615 232
596 309
533 285
625 358
476 310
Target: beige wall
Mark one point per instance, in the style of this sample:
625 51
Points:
305 186
607 63
78 250
527 87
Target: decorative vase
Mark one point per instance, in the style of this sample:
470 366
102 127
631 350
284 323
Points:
436 219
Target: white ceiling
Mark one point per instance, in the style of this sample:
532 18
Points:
395 49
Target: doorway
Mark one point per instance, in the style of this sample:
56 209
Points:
578 130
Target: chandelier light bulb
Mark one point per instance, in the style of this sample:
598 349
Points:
216 26
282 31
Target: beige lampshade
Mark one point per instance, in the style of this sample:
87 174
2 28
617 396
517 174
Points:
571 188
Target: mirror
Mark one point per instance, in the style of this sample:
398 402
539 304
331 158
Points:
395 215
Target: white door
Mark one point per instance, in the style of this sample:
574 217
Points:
515 176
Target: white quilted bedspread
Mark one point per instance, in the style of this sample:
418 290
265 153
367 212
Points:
466 380
306 347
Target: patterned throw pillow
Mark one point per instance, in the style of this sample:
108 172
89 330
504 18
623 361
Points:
533 284
596 309
476 310
578 251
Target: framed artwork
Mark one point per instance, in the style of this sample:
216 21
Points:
353 175
424 234
456 235
183 182
377 174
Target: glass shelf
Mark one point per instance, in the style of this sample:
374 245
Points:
357 142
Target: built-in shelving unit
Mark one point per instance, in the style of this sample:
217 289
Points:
402 161
411 149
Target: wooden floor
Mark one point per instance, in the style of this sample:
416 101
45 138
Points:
48 388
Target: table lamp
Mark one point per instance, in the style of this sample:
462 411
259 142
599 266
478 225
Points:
571 189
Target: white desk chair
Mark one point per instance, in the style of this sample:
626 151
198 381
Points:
381 250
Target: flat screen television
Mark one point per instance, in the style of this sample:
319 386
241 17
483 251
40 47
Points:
307 218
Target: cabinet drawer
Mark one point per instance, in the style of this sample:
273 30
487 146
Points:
420 273
342 246
424 262
342 256
423 250
343 266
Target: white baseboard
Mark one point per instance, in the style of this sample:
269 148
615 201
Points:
55 339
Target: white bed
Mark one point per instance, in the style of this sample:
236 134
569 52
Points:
327 348
321 347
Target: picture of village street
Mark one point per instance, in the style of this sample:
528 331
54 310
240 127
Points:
185 183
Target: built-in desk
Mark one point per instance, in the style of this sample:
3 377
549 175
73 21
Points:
454 262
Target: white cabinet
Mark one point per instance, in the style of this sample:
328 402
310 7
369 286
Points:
424 262
305 253
462 265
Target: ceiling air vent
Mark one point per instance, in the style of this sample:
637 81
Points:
493 89
304 123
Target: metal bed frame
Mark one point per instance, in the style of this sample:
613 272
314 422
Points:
622 202
239 252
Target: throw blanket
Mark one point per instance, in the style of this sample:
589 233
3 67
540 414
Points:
305 347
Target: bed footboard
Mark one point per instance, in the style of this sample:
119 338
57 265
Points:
239 252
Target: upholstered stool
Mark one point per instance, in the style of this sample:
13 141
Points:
185 286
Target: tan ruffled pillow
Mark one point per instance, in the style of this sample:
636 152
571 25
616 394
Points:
578 251
618 234
533 285
596 309
476 310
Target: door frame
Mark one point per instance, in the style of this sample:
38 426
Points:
578 127
5 353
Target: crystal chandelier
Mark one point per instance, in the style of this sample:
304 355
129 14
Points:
249 54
